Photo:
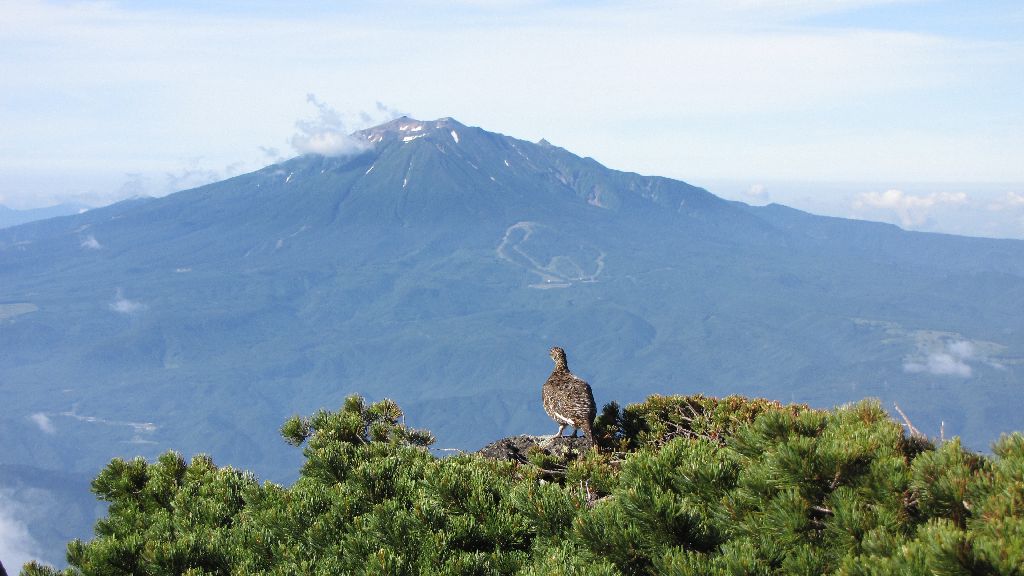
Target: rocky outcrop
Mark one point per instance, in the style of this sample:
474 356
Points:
518 448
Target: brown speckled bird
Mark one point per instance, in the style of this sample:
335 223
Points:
568 399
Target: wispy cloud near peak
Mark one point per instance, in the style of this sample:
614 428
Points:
327 134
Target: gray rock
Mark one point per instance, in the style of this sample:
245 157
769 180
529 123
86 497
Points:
517 448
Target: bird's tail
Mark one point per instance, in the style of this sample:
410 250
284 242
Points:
588 429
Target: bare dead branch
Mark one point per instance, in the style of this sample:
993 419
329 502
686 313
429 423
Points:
822 510
913 431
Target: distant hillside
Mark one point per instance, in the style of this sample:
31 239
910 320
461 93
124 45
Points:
11 217
675 485
437 266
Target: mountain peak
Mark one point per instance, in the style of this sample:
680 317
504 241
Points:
409 129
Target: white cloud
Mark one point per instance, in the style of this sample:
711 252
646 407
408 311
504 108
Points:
91 243
941 364
1010 200
16 544
962 349
124 305
190 177
912 211
325 144
949 360
327 134
759 192
43 422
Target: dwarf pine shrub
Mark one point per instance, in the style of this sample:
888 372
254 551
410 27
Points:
680 485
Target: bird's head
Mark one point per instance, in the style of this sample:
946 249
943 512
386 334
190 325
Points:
558 355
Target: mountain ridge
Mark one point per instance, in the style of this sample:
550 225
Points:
10 217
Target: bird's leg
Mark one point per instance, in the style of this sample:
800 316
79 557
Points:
574 431
558 434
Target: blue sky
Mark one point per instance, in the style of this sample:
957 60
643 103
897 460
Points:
904 111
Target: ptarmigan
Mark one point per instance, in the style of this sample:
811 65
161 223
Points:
568 399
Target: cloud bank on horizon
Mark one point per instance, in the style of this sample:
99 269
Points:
912 211
100 100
